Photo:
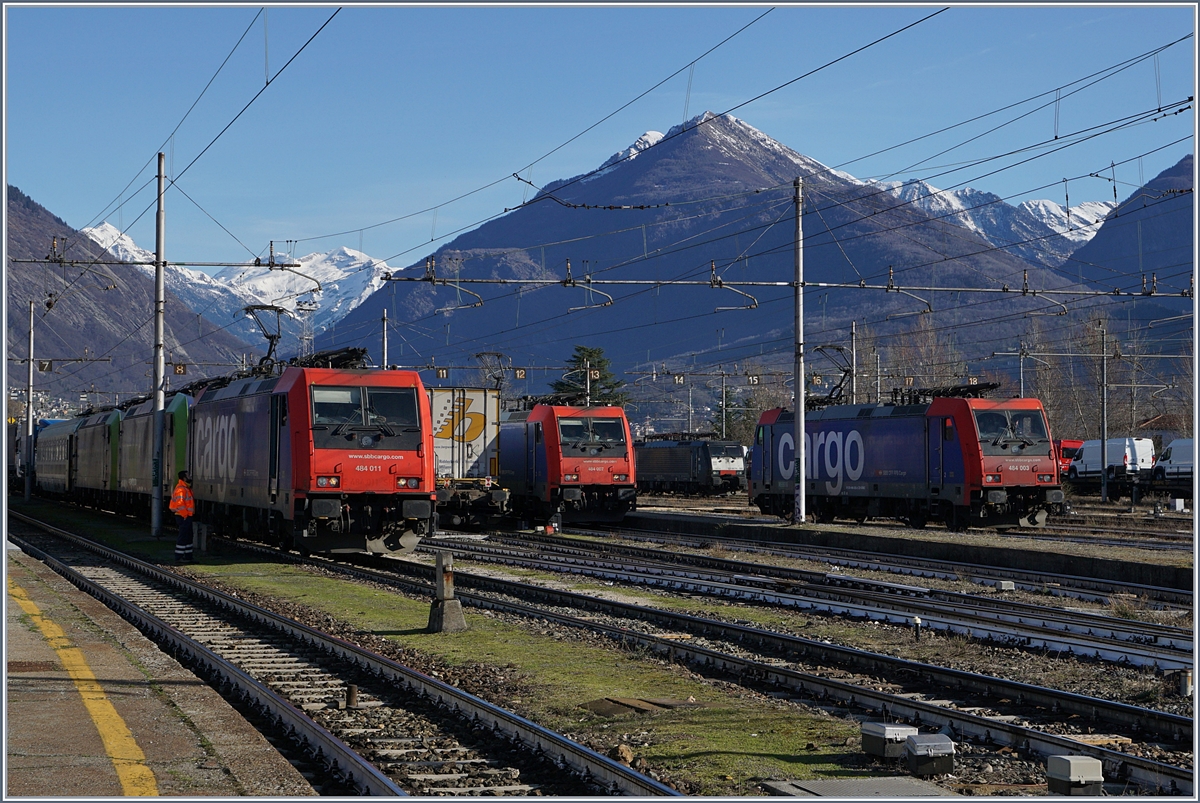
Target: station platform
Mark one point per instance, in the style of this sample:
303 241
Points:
94 709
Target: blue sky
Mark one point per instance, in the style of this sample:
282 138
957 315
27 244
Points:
390 112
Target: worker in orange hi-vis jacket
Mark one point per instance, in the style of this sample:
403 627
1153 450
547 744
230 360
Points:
183 505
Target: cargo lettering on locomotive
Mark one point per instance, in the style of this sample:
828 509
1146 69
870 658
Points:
837 458
217 447
832 452
959 459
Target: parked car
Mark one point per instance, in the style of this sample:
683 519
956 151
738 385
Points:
1127 458
1066 451
1175 462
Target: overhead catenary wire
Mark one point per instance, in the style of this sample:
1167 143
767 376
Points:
1107 72
996 249
540 158
257 95
1111 70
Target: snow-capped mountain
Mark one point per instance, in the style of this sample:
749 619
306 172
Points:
713 193
1076 223
335 282
647 140
1043 232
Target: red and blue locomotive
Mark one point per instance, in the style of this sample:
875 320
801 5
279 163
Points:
963 461
576 462
321 459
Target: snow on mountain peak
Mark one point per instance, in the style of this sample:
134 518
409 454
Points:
647 140
1076 223
120 245
338 281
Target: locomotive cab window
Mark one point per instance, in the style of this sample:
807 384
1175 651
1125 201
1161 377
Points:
365 418
1012 431
337 405
592 435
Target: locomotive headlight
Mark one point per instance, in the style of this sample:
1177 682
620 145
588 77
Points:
620 477
329 482
991 478
407 482
1045 478
570 478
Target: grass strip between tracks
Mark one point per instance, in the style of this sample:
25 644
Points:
724 746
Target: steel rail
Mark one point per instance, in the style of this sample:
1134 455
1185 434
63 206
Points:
1173 726
1145 772
601 770
969 623
1163 635
1057 584
342 761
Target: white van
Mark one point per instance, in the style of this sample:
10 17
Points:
1127 457
1176 461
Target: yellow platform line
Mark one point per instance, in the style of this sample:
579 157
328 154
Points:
127 758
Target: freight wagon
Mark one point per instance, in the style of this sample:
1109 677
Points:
466 433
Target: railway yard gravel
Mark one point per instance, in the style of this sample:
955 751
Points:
979 770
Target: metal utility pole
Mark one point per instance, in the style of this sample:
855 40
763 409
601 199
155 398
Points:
1104 411
1021 352
587 375
853 363
160 365
724 406
28 461
799 513
385 356
878 376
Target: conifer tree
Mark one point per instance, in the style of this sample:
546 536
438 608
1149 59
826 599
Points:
605 388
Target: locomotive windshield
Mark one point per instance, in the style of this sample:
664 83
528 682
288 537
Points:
592 435
365 418
1009 431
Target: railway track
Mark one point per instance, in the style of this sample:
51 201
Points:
975 709
1077 587
367 724
978 708
1086 521
1106 638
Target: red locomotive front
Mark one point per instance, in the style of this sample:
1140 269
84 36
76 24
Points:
1010 467
325 460
576 461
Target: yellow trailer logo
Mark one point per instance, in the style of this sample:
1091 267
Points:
462 425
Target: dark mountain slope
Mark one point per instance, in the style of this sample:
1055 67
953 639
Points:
713 193
98 311
1149 233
